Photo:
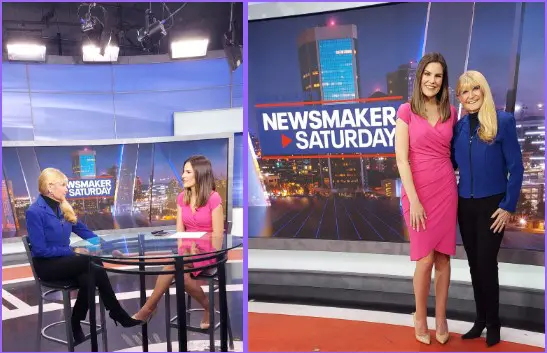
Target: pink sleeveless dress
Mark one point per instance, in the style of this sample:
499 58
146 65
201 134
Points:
199 221
435 182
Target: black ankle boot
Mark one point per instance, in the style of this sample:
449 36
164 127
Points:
121 316
492 335
77 331
476 331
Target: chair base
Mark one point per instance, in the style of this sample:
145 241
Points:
194 328
58 340
173 324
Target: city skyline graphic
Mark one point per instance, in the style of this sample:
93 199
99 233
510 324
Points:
334 57
146 178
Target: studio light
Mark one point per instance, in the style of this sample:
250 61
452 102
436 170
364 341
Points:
92 53
26 52
154 30
189 48
151 36
232 50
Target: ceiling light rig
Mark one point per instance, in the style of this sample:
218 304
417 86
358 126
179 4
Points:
154 29
97 45
232 49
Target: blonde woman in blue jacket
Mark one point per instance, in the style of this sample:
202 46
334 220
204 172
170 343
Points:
487 153
50 220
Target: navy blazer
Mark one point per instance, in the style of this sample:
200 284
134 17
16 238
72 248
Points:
50 236
488 169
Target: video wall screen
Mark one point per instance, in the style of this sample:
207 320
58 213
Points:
323 92
114 186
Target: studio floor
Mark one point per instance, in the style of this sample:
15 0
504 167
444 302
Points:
276 327
20 308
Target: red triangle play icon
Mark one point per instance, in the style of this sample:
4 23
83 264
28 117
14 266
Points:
285 140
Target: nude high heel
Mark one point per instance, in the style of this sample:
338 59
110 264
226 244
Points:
442 338
422 338
148 318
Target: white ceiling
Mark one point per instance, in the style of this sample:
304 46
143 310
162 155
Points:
262 10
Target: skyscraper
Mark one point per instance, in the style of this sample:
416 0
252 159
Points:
401 82
83 164
328 60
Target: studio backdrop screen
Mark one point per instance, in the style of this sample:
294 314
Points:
113 186
323 94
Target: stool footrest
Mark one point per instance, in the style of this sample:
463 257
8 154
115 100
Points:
58 340
174 324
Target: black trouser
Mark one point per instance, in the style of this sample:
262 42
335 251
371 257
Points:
77 268
482 246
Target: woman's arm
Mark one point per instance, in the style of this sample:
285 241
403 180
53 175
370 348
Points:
37 237
401 153
82 231
180 225
218 227
513 159
452 142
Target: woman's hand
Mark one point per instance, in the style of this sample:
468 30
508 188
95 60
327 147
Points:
82 251
117 253
194 249
417 216
501 218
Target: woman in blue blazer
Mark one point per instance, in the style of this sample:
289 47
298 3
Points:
50 220
487 153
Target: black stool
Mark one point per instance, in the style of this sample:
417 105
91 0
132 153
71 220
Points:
65 287
211 277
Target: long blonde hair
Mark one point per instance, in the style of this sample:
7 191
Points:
46 178
488 121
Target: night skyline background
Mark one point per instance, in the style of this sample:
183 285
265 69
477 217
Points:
356 196
169 158
274 42
135 200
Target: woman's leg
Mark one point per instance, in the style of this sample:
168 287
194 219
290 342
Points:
442 283
488 247
422 282
467 220
162 284
194 289
68 268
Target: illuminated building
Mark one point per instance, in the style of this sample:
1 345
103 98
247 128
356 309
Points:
328 63
84 164
401 82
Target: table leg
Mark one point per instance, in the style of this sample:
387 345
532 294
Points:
92 311
223 303
181 305
142 283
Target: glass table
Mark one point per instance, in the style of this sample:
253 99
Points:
145 254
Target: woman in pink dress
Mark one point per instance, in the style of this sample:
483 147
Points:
429 197
199 209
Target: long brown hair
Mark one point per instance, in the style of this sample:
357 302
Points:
48 177
205 181
417 102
